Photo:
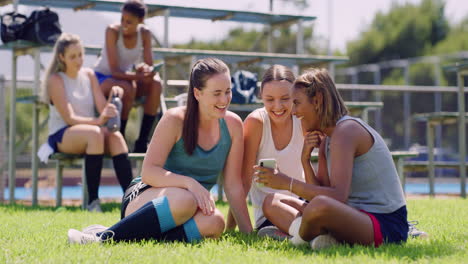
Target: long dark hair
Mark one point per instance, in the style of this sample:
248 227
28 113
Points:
201 72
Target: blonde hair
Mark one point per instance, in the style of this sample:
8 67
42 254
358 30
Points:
315 81
57 65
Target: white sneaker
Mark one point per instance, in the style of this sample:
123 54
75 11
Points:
94 229
94 206
323 241
273 232
413 232
78 237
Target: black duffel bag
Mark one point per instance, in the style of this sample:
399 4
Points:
42 27
12 26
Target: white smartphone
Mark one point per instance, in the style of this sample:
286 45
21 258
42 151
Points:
267 163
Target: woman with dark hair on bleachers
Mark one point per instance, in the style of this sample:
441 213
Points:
127 45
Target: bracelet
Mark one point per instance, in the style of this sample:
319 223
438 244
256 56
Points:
290 185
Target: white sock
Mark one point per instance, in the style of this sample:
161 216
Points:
294 227
296 239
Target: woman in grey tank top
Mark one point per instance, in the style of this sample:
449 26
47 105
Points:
73 96
357 196
128 44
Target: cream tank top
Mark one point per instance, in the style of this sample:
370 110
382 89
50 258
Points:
79 95
126 57
288 161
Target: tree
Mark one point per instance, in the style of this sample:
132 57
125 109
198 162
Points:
405 31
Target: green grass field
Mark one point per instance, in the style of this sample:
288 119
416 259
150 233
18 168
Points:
38 235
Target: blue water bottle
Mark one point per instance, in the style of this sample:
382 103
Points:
113 124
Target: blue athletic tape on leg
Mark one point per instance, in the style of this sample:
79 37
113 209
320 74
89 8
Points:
166 221
191 231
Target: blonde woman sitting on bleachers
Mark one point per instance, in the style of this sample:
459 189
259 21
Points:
73 95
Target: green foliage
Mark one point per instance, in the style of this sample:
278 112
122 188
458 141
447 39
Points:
38 235
405 31
456 40
241 39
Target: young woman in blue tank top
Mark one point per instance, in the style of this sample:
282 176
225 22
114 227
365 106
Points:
73 95
190 147
356 196
128 44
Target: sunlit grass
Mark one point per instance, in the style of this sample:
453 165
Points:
38 235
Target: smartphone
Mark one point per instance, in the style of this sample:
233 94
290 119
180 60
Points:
157 67
267 163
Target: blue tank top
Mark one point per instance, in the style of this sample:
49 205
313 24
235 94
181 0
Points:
203 165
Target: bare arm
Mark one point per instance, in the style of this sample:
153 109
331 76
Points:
166 134
58 97
147 52
344 142
253 127
312 140
232 174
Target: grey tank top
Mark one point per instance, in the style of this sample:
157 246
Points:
375 185
126 57
79 95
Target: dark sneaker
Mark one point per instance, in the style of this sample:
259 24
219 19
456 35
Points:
273 232
140 147
413 232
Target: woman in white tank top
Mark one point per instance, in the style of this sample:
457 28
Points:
73 95
128 43
272 132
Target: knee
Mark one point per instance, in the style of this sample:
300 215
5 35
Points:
269 204
182 201
214 225
318 208
128 91
95 136
117 140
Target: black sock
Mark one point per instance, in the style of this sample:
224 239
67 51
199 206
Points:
145 129
123 170
148 222
123 125
93 168
175 234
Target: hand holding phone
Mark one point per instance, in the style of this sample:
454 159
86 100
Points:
267 163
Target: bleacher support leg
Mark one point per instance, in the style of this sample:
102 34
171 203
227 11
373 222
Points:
59 184
430 153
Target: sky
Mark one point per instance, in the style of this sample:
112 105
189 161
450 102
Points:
349 18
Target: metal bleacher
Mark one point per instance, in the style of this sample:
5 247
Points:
169 55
